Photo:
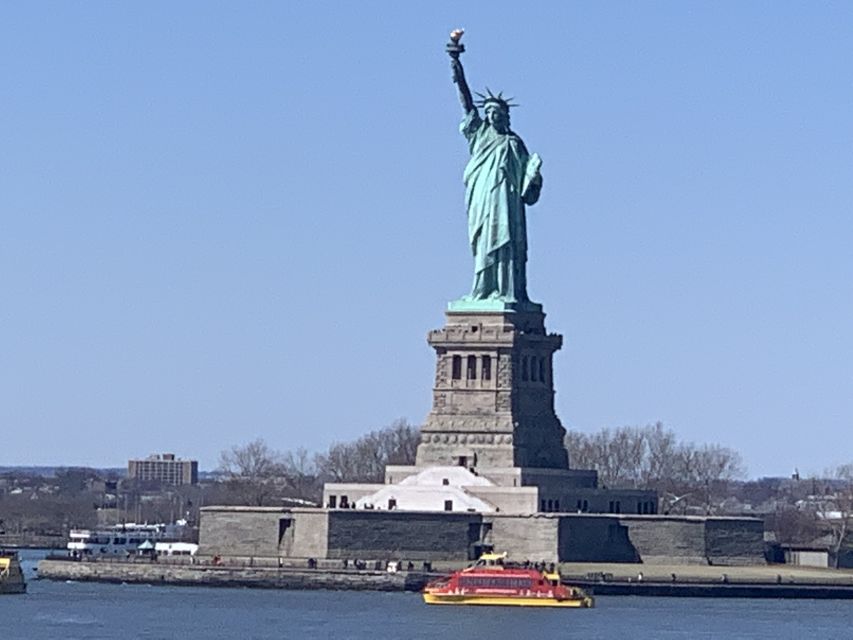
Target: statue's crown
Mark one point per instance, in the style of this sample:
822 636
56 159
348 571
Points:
490 98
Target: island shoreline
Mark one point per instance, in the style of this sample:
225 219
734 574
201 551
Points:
690 582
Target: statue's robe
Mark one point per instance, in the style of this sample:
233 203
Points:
494 186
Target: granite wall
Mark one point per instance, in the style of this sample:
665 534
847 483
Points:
403 534
244 531
667 539
454 536
734 541
595 539
530 537
697 540
308 536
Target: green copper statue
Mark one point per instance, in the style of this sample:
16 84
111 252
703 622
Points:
500 179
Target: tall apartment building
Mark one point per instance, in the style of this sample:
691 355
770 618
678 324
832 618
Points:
164 468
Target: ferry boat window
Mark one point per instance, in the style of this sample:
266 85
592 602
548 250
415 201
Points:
445 481
489 582
344 502
333 502
487 367
448 505
457 368
392 504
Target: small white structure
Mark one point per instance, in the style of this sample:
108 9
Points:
145 549
175 548
807 556
433 489
438 488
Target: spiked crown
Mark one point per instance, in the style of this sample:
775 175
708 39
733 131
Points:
490 98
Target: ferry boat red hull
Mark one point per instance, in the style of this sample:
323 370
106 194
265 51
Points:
492 582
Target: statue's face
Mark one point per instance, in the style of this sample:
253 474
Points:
497 117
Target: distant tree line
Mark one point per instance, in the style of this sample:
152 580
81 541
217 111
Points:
652 457
33 506
709 479
689 479
259 474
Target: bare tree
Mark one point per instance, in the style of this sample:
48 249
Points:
651 457
252 470
840 519
401 442
582 452
626 456
365 459
300 472
793 526
708 469
661 445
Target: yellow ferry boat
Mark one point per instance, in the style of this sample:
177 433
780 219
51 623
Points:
492 581
11 576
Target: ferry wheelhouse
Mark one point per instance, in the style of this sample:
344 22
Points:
493 581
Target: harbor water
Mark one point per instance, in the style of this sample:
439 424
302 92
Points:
94 611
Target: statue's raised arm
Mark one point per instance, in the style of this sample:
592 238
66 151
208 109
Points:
454 48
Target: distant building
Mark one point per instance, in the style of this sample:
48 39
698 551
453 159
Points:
806 556
163 468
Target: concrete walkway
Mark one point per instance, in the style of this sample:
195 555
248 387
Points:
769 574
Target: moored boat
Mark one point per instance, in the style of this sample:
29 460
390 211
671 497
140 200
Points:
123 540
11 575
493 581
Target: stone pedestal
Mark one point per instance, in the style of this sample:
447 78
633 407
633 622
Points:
493 398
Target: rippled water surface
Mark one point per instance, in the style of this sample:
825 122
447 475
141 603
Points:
94 611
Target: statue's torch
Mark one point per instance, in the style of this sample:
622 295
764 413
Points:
454 47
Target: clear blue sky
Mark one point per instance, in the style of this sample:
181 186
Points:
222 221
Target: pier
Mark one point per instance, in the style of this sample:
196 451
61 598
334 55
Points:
601 579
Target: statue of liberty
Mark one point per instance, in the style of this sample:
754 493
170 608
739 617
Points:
501 178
